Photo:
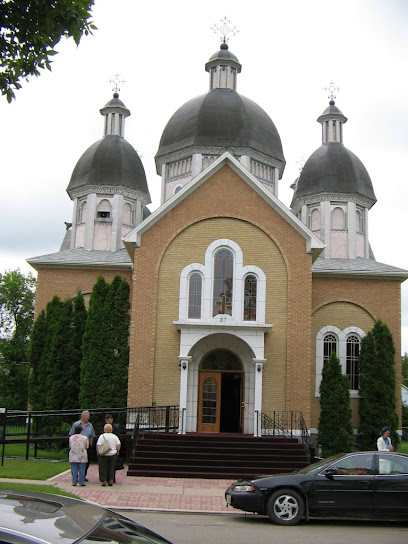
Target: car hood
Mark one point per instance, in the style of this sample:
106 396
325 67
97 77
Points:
51 518
273 479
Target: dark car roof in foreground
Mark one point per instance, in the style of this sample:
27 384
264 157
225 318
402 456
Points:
50 518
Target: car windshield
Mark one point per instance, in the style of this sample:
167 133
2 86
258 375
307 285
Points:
318 464
116 529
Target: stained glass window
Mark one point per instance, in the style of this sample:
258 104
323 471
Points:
223 281
194 296
250 298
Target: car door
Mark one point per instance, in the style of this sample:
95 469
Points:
344 488
391 484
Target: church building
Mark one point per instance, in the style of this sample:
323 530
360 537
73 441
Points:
236 300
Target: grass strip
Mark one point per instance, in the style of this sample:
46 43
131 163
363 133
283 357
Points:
33 469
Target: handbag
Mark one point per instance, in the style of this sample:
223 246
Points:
104 446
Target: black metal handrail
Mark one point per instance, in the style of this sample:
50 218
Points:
135 436
285 423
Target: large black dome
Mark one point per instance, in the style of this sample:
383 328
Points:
110 161
333 168
221 118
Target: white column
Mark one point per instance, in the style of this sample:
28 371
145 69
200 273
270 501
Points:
74 222
163 187
117 211
196 164
304 215
258 363
245 160
276 181
90 221
183 366
367 245
352 230
326 224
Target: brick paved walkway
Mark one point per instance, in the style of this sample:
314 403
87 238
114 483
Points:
145 493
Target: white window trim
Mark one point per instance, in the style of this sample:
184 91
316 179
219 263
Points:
207 272
342 352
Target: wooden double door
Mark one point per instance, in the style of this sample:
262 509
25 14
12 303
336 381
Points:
220 402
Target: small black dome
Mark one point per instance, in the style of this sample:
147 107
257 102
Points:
110 161
334 169
221 118
223 55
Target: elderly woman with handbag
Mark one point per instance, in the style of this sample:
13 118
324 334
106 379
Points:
107 449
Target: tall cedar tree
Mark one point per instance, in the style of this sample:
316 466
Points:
37 344
96 350
377 406
335 428
62 355
105 346
17 293
46 369
79 321
118 301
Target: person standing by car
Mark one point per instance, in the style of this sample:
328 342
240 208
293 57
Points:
78 456
87 430
107 460
384 442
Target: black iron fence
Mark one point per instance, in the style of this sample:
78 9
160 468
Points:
34 428
285 423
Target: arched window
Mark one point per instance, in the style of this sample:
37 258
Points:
127 214
177 189
223 281
82 212
315 220
104 210
346 345
338 219
352 354
360 220
250 298
195 287
329 347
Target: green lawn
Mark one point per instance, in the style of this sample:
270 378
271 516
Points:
32 469
404 446
19 450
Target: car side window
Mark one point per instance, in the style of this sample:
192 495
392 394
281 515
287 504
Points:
392 464
355 465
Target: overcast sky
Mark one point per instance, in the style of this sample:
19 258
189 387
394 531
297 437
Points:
289 50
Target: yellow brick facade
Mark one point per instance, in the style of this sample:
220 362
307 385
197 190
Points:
298 306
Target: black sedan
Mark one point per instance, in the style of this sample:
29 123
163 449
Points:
41 518
365 485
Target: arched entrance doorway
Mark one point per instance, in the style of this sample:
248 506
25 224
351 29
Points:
220 393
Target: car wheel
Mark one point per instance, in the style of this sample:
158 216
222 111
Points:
285 507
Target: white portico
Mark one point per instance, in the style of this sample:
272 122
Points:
222 331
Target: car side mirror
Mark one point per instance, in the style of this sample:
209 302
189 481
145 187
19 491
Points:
330 472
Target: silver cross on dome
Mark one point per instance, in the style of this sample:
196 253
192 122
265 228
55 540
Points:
332 89
116 81
224 29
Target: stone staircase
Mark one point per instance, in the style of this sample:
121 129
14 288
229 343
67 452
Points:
210 455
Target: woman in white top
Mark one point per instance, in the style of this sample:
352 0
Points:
384 442
107 461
